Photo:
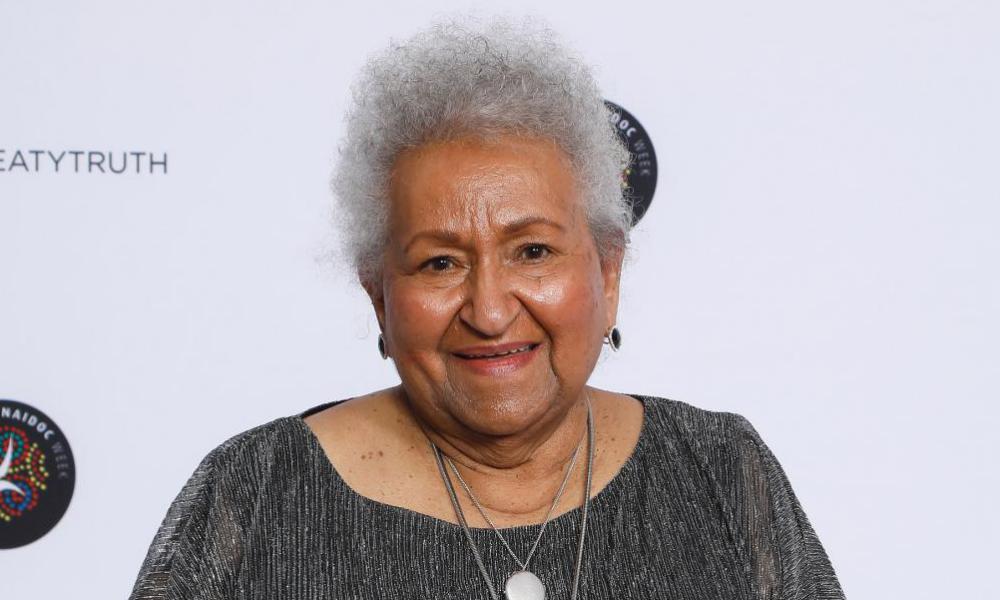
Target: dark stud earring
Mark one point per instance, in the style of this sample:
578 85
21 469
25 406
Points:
614 338
381 347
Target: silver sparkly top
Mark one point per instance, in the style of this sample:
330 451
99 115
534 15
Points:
701 510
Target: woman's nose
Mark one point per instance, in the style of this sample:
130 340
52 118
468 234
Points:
489 307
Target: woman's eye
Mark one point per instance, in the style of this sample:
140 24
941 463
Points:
536 251
438 263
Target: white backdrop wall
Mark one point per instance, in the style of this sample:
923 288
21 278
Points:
820 256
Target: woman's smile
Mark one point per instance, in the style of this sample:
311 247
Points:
500 360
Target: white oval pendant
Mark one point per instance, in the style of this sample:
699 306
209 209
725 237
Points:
524 585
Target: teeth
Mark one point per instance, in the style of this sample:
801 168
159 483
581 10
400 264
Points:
515 351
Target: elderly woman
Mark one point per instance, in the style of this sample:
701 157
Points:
480 195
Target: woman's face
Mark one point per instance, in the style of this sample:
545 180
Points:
489 251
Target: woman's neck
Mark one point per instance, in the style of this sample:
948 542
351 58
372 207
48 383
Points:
516 477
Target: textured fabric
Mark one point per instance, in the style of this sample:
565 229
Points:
701 510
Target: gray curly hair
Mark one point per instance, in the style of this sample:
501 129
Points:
460 77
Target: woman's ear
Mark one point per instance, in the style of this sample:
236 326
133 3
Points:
373 287
611 270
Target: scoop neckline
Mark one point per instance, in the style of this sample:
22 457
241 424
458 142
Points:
332 476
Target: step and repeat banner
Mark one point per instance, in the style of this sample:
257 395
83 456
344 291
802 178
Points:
817 251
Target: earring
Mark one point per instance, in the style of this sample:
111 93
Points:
614 338
381 347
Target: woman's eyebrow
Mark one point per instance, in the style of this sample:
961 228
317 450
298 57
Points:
451 237
441 235
524 223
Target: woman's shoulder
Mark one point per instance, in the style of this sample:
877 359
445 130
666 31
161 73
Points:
708 420
260 451
721 449
702 429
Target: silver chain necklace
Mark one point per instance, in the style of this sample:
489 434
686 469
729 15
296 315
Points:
555 501
523 584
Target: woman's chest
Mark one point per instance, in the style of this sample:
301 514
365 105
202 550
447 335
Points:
664 540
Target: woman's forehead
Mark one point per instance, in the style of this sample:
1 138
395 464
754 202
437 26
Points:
493 184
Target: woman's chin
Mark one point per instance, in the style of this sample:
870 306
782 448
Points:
504 415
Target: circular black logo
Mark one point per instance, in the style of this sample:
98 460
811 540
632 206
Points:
37 474
639 180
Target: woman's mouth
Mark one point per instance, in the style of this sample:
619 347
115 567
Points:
505 350
498 360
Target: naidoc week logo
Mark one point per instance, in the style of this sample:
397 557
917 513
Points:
639 179
37 474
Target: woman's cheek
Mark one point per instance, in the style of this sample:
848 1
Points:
569 304
421 315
